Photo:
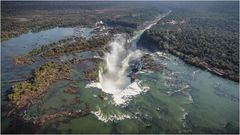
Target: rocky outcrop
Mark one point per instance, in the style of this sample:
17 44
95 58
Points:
149 64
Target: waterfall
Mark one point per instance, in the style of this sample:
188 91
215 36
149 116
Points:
113 78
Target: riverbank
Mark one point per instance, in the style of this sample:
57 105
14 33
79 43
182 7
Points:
21 19
199 43
195 61
166 90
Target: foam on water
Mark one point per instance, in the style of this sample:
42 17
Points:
113 77
109 117
122 96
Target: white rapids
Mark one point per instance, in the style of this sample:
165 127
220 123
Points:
113 78
109 117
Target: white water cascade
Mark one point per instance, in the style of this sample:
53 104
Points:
113 77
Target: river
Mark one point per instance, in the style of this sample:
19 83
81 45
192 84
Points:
180 99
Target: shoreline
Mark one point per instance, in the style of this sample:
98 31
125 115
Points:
200 64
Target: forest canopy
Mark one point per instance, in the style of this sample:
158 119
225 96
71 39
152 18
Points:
206 35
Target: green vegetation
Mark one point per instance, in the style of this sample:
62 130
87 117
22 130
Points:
21 17
77 45
42 49
204 36
23 93
91 74
61 47
29 58
22 60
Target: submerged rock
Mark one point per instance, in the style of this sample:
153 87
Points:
70 90
149 64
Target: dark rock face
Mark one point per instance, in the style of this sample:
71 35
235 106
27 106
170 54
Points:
135 66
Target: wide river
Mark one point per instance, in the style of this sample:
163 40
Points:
180 99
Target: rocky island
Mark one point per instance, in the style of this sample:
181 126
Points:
119 67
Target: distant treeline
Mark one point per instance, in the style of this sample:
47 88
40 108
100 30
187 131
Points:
20 17
206 35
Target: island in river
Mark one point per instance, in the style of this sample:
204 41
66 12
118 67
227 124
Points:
120 67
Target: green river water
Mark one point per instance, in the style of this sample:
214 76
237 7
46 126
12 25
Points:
180 99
